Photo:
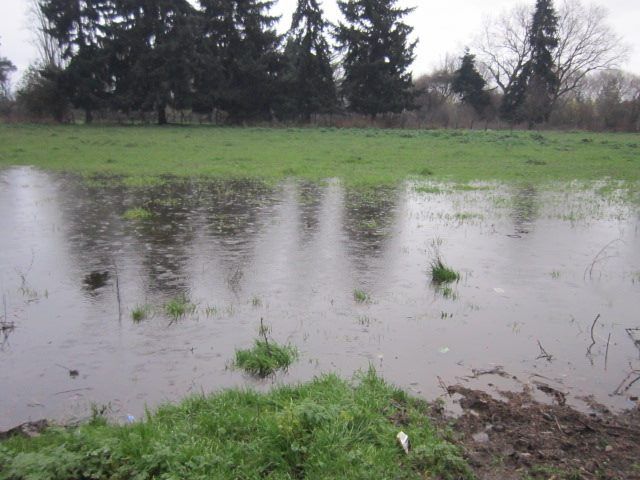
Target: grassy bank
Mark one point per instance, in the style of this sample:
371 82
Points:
357 156
323 429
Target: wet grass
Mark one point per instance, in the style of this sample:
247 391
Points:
140 313
441 273
179 307
137 213
141 156
360 296
265 358
327 428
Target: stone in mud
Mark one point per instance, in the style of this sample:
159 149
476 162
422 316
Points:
28 429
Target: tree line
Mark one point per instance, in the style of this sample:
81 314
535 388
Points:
225 59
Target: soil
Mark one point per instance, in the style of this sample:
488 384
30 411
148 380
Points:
518 437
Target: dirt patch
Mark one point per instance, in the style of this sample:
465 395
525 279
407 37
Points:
519 437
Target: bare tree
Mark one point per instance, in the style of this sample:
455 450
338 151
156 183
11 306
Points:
49 52
587 44
6 67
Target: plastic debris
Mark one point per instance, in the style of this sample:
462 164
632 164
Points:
131 419
498 290
403 440
444 350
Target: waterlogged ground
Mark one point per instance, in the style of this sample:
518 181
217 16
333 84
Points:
537 264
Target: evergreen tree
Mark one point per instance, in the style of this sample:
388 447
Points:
151 55
241 43
543 82
530 97
469 84
309 77
377 56
78 27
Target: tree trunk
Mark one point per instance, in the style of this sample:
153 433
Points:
88 116
162 114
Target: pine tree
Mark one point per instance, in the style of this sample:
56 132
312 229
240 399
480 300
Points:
530 97
309 75
543 82
78 27
469 84
150 46
377 56
242 45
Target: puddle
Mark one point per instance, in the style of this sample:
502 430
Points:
534 276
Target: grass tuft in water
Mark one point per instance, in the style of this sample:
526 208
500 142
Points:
137 213
360 296
327 428
140 312
441 273
179 307
266 357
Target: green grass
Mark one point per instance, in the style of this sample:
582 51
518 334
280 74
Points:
360 296
325 429
140 312
441 273
265 358
137 213
179 307
143 155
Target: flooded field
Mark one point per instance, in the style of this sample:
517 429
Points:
549 289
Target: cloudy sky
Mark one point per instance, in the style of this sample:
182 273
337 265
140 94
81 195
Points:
442 26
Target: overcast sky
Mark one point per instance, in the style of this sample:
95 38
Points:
442 26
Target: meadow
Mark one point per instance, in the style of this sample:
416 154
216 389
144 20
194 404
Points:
357 156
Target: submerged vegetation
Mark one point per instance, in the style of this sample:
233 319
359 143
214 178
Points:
360 296
323 429
137 213
441 273
140 312
266 356
357 156
179 307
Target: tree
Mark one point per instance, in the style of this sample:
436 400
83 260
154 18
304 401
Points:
49 51
78 28
309 72
377 56
149 47
586 44
6 67
469 84
543 81
244 45
40 94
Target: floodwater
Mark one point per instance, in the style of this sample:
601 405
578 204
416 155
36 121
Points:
537 267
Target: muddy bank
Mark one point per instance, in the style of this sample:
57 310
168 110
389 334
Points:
517 436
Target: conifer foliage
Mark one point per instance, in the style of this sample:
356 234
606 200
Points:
377 56
469 84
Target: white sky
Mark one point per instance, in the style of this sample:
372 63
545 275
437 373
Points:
442 26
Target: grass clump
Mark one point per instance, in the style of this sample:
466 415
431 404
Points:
441 273
140 312
324 429
179 307
137 213
360 296
266 357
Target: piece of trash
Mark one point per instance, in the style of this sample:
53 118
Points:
444 350
403 440
73 373
498 290
131 419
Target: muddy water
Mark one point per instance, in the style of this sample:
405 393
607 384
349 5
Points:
72 268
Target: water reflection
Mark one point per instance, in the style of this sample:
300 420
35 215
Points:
293 254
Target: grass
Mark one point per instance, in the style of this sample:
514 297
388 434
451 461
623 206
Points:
143 155
324 429
265 358
137 213
360 296
140 312
179 307
441 273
